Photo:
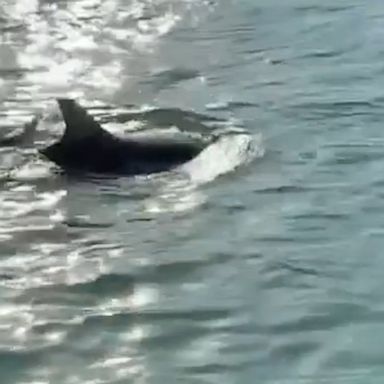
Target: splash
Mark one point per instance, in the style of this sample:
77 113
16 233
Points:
226 154
179 191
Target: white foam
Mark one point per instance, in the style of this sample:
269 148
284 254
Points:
179 192
223 156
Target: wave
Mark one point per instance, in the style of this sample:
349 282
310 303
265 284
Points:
176 190
75 47
180 190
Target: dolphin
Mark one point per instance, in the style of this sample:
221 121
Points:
87 147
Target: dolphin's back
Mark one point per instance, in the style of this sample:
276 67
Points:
86 146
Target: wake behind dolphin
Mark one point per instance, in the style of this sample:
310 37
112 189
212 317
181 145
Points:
169 143
85 146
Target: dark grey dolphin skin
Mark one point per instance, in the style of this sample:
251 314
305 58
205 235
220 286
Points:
86 147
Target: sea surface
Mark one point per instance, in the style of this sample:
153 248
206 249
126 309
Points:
262 260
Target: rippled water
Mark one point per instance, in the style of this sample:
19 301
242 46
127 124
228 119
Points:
262 260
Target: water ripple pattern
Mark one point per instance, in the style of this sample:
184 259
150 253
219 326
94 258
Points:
261 260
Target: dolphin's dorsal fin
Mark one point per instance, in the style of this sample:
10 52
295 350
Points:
78 123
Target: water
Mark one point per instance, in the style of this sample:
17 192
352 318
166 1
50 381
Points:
262 260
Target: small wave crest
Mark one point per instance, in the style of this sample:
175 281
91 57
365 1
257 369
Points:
179 191
226 154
